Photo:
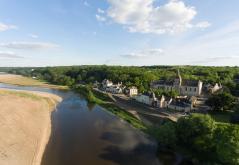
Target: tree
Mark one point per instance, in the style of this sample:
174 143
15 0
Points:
166 134
194 127
221 101
226 141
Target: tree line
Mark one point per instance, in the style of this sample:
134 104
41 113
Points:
137 76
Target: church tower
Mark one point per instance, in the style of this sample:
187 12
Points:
180 78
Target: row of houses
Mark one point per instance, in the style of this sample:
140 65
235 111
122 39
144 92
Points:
180 103
189 91
118 88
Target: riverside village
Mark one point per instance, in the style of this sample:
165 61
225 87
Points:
191 94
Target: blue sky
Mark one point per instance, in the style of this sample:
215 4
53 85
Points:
119 32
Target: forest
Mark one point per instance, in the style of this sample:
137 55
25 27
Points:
132 75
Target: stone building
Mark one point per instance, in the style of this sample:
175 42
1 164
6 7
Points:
184 87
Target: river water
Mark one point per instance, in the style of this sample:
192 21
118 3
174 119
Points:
84 134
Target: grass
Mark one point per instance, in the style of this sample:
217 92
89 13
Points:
105 101
221 117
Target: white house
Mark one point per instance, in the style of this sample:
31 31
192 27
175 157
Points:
106 83
114 89
163 102
181 104
132 91
184 87
213 88
147 98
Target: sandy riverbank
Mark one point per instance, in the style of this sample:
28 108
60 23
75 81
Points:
25 126
26 81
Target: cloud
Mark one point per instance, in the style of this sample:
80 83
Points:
217 47
203 24
100 18
143 54
143 16
215 59
100 11
33 36
86 4
7 54
5 27
29 45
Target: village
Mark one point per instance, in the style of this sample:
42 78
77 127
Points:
192 94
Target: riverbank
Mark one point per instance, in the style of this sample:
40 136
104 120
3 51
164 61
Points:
27 81
25 125
103 100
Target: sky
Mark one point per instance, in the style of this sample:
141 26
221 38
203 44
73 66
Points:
119 32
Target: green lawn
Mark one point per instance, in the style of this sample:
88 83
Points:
221 117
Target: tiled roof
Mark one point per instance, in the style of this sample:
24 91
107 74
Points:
181 102
163 82
191 83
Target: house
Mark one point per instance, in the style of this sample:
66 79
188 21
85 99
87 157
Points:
147 98
106 83
184 87
181 104
213 88
131 91
163 101
108 86
114 89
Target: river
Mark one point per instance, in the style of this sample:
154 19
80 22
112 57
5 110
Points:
84 134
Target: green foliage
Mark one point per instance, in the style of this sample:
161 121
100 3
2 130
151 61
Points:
194 128
221 101
211 143
165 134
226 141
137 76
160 92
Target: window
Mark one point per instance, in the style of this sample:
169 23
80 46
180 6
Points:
186 88
195 89
190 89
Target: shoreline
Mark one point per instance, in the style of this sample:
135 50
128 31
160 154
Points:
20 80
46 135
36 126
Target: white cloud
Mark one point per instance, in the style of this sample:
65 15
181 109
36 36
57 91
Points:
29 45
144 53
217 47
99 10
215 59
4 27
7 54
100 18
203 24
86 4
33 36
143 16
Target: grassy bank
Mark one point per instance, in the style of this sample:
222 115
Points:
106 102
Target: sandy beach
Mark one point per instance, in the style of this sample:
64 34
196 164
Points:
25 126
26 81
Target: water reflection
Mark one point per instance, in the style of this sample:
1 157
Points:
86 134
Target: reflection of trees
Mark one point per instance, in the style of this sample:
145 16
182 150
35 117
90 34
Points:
90 106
